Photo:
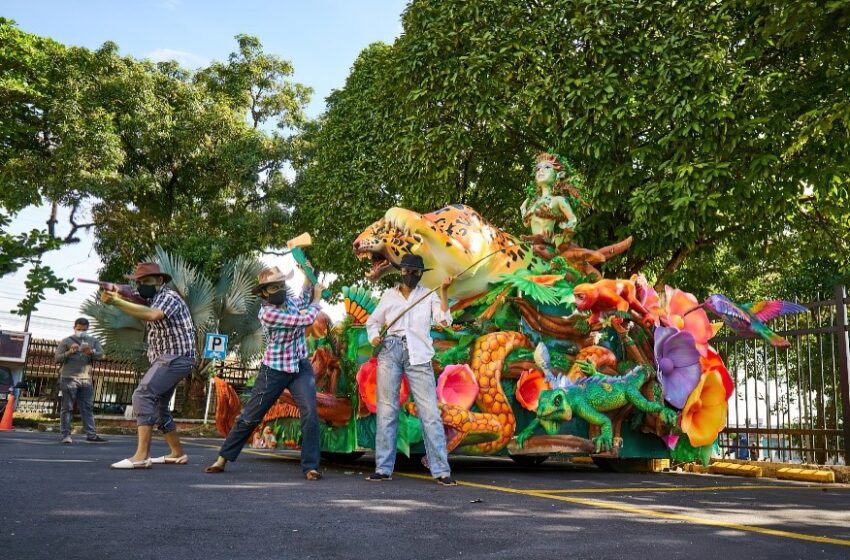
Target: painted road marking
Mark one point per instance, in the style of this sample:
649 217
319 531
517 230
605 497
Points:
677 489
645 512
56 460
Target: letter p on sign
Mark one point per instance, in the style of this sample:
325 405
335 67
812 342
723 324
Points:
215 346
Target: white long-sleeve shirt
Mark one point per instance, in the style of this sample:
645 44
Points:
415 325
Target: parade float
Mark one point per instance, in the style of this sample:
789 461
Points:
545 356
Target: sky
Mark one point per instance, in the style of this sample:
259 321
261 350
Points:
322 38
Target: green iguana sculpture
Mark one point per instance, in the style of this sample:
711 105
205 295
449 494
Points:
590 398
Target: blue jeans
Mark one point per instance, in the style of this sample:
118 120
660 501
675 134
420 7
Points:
268 387
81 391
392 361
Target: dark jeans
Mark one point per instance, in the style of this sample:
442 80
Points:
81 391
152 396
270 384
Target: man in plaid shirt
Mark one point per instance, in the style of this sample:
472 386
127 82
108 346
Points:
170 337
285 366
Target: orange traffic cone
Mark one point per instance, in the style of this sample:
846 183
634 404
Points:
6 423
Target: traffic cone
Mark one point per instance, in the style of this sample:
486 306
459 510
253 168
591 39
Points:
6 423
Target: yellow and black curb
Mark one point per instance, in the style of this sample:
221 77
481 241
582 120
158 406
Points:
781 471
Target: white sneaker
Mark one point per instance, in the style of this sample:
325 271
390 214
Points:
67 439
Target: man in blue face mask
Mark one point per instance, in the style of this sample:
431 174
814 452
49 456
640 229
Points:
406 347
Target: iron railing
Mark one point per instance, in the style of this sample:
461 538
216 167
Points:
114 382
792 405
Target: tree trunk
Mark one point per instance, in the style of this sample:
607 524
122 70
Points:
195 397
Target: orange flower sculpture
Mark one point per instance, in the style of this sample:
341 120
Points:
678 305
531 383
704 414
713 362
457 386
367 385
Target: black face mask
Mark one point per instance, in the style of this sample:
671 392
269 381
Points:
411 280
146 291
277 298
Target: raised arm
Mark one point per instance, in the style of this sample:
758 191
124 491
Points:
276 318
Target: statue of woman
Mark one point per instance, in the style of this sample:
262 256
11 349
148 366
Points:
549 214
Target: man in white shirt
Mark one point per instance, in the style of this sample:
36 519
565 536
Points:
406 347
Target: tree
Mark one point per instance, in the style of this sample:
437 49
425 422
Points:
55 146
677 115
156 155
224 305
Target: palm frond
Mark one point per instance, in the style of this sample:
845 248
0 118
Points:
225 306
123 337
527 287
195 289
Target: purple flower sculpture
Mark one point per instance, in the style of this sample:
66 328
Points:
679 368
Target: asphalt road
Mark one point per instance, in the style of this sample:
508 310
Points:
63 502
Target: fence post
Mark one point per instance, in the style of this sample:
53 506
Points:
843 364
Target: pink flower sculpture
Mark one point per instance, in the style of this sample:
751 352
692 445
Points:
678 305
457 385
679 368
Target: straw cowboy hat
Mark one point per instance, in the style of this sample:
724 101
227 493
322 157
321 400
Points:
148 269
268 276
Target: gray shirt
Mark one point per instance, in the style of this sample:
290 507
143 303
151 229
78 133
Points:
77 364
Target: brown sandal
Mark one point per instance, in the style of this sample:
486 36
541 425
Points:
313 474
214 469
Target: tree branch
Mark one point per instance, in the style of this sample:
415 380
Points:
675 262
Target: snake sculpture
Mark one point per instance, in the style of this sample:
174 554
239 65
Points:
487 430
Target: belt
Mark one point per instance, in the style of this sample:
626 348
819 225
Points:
401 338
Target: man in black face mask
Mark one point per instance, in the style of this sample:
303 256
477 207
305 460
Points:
406 347
285 366
170 337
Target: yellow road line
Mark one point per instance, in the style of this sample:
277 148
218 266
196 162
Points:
670 489
645 512
248 451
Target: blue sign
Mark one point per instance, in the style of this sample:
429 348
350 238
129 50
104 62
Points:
215 346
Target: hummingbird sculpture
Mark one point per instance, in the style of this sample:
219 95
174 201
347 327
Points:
750 318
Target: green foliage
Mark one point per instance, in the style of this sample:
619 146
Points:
714 133
684 452
154 154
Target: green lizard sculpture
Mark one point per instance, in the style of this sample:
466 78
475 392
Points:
590 398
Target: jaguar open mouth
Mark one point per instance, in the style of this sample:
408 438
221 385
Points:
380 265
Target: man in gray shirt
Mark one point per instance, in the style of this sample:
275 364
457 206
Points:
76 355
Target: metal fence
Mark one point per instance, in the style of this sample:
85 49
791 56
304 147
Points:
113 381
792 405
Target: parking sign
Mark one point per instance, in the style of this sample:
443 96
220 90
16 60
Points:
215 346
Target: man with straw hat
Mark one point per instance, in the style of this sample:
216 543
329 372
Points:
285 366
170 338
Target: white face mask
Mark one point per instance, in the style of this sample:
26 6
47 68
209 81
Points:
79 333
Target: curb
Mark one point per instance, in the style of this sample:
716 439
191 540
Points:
737 470
806 475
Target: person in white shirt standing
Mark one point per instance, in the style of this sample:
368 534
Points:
406 347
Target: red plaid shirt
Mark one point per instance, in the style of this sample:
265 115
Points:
284 330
